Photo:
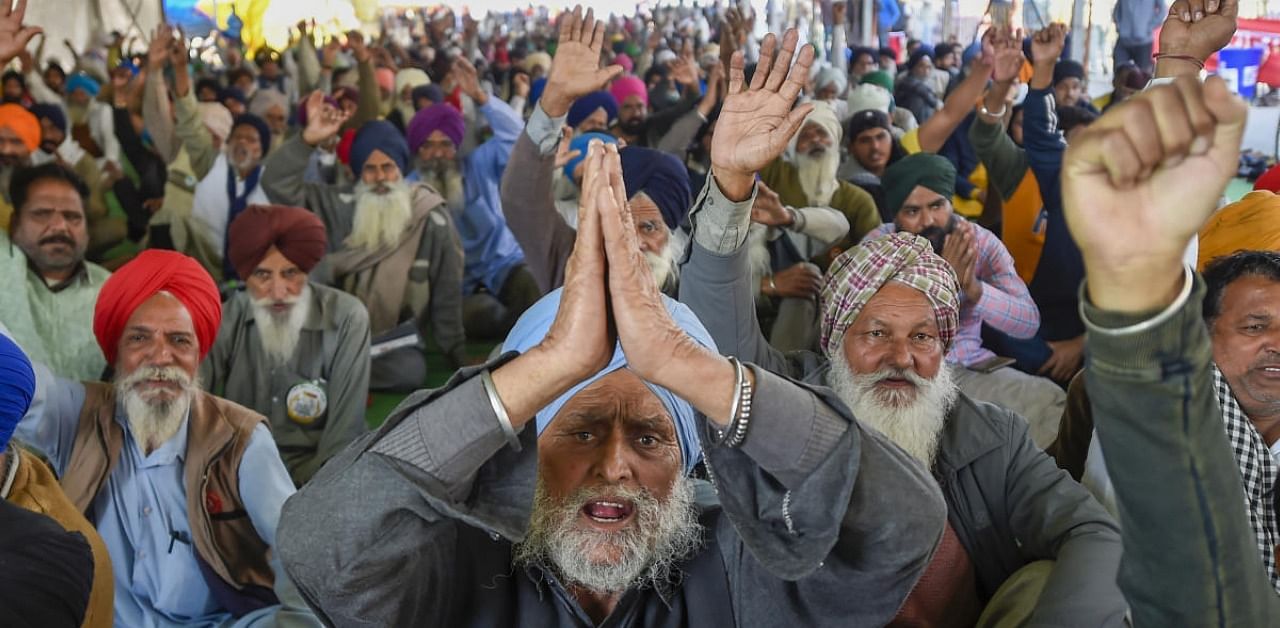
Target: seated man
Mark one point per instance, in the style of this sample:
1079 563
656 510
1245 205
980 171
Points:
49 287
392 244
184 488
1069 86
872 147
640 126
31 486
657 184
587 515
593 111
497 285
920 187
289 348
58 145
1191 557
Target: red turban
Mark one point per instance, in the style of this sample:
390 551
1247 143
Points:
150 272
298 234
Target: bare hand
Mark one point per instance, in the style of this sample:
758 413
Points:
756 124
1138 184
768 209
520 84
684 70
329 55
563 154
1199 29
837 12
464 74
961 252
801 281
323 120
1007 55
1047 44
14 35
355 41
158 49
576 70
1066 359
178 55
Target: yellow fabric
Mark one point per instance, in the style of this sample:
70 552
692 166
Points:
1251 223
1102 101
6 214
967 207
1023 227
36 489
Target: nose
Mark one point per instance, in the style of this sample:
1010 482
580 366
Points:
278 290
161 355
57 223
613 467
899 356
927 220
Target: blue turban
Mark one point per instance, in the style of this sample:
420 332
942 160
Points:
661 177
52 113
259 125
80 80
17 387
588 104
579 143
535 89
379 135
536 322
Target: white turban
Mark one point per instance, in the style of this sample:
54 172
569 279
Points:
869 96
217 118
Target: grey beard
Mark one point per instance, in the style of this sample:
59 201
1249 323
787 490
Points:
818 176
153 421
913 420
663 265
279 334
661 535
380 219
445 177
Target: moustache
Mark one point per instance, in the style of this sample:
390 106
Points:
57 238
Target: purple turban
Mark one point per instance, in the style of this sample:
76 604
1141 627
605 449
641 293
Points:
441 117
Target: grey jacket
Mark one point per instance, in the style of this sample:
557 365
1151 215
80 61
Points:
1191 558
1007 501
332 356
413 525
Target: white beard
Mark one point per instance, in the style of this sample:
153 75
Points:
663 265
153 421
448 183
661 534
913 419
280 334
818 176
380 219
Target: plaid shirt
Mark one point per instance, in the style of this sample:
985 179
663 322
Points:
1005 305
1258 473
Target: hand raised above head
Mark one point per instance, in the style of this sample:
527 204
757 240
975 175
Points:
323 120
576 69
14 35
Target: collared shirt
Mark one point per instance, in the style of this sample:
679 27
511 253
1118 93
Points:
53 324
141 512
316 399
1005 305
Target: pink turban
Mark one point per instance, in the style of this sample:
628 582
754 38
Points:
627 85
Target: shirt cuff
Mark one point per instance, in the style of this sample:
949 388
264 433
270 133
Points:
544 130
1117 324
719 224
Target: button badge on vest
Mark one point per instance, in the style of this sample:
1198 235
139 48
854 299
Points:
306 402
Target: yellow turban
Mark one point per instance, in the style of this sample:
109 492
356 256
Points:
1249 224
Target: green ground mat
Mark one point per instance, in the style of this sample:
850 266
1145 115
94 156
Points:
438 372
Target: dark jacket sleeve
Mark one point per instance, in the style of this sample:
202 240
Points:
1006 162
529 206
443 318
1191 558
1071 448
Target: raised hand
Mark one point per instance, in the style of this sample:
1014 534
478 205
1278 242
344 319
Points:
563 154
464 74
756 123
355 41
14 35
1196 31
1007 58
178 54
1047 44
715 88
1138 184
684 70
158 48
520 85
576 70
323 120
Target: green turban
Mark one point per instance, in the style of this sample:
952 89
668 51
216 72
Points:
927 169
881 78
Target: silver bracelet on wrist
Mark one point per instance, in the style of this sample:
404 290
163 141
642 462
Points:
997 114
740 416
513 440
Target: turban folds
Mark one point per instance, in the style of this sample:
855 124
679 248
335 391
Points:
151 272
80 80
379 135
411 78
868 96
857 274
626 86
536 322
17 387
296 232
1249 224
587 105
828 75
438 117
52 113
21 122
924 169
662 178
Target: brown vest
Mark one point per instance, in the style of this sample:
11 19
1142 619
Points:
218 432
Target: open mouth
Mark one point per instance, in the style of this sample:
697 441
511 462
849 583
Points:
608 511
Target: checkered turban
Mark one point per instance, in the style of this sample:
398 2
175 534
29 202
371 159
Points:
860 272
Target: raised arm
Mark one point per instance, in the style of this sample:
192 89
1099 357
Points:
1006 162
934 132
284 170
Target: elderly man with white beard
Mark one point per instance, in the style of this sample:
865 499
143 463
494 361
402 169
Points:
291 349
550 486
890 309
184 488
497 283
392 244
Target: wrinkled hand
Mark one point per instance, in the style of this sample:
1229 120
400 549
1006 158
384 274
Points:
14 35
756 123
324 121
1047 44
464 74
1138 184
1007 57
768 209
801 281
1066 359
961 252
563 154
576 70
1199 28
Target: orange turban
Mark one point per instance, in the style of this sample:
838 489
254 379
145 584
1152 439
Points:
22 122
153 271
1249 224
296 232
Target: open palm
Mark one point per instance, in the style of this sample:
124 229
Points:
14 36
576 70
756 124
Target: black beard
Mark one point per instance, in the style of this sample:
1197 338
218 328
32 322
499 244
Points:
633 127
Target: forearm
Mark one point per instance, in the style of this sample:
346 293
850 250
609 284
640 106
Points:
193 135
528 204
284 172
370 98
1008 309
1005 161
156 116
503 120
1045 145
935 131
677 139
823 224
719 224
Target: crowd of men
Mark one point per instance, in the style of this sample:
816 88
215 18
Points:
783 333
